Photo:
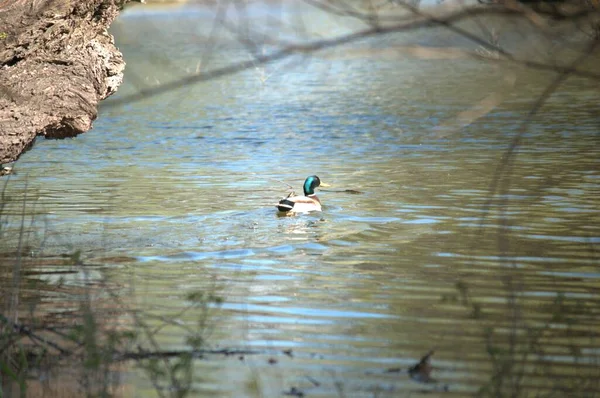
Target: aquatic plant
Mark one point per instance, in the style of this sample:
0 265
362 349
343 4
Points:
519 350
100 338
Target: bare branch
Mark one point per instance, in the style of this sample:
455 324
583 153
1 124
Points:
424 22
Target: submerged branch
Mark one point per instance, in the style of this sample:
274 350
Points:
126 356
24 330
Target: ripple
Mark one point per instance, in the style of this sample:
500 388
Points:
304 312
196 256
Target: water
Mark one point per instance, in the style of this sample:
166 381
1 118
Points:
175 194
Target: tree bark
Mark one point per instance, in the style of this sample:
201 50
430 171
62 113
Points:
57 61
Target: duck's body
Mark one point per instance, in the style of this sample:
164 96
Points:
303 204
299 204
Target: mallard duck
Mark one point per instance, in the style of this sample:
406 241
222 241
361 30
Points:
303 204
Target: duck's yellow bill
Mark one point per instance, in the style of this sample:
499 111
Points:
325 185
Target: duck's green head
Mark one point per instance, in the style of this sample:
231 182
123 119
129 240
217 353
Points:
311 183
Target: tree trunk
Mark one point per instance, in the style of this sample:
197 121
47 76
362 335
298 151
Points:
57 61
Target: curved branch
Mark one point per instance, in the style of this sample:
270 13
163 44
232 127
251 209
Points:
319 45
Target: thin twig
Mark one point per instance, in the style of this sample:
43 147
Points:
500 182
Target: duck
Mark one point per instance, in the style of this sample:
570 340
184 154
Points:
303 204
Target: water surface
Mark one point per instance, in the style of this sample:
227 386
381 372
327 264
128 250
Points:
175 194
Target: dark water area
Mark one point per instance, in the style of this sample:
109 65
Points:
175 194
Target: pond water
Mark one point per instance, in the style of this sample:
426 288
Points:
174 194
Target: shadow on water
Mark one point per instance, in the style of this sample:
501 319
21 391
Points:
150 248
